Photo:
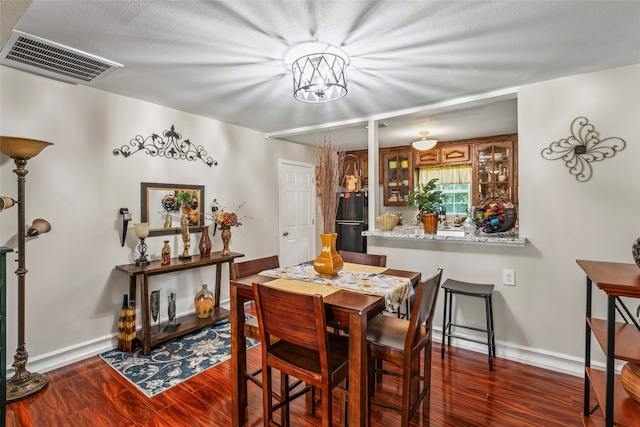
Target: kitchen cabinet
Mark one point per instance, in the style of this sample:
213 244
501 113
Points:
397 175
443 155
618 341
356 163
495 169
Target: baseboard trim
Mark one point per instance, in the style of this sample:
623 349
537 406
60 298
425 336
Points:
529 356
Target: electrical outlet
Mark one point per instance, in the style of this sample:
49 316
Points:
509 277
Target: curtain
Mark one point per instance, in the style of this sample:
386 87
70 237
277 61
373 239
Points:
453 174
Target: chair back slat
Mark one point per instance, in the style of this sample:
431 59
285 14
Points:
254 266
290 316
423 308
362 258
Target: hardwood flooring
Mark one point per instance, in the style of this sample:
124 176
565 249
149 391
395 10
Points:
464 393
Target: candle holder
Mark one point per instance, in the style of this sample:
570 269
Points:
142 232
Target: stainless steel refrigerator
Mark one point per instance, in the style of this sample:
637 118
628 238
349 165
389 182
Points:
351 221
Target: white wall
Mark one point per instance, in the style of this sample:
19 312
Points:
541 319
73 293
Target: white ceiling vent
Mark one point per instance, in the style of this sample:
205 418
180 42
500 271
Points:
44 57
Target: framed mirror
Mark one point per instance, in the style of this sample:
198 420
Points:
163 205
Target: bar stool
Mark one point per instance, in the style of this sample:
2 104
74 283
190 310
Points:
455 287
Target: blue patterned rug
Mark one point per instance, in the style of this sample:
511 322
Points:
174 361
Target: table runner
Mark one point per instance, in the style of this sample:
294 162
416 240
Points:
302 286
396 290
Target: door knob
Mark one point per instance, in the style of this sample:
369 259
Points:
286 233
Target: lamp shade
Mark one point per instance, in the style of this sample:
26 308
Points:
424 143
6 202
141 229
39 226
21 147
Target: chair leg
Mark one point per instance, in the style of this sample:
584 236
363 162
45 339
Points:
426 375
267 409
327 406
488 315
444 324
284 392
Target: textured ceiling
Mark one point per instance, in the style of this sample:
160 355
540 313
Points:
224 59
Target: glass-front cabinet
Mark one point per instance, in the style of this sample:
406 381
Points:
495 170
397 176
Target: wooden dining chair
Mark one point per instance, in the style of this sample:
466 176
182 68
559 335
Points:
250 268
399 342
362 258
303 348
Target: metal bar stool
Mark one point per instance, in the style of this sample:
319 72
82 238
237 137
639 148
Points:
455 287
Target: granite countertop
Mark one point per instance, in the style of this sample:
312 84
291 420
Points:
417 233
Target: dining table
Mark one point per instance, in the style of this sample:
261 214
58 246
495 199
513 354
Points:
348 307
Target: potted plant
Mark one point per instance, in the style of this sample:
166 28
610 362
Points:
429 202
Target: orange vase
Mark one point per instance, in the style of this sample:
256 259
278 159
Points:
329 262
430 223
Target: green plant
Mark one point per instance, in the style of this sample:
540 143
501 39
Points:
185 199
428 199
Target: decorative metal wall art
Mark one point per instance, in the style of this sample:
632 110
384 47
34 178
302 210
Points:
171 148
582 147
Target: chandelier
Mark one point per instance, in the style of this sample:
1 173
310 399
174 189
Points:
320 77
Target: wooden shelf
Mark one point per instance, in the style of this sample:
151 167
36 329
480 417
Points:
187 324
616 280
626 411
627 339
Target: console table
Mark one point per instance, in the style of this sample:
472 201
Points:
188 323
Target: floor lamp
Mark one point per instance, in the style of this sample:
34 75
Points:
23 383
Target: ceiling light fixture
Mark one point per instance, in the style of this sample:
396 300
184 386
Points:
320 76
424 143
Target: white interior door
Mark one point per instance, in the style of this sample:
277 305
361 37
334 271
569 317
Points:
297 212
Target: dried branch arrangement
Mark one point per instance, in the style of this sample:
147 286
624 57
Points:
329 160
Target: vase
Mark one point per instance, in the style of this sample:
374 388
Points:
635 250
430 223
205 242
630 378
165 257
122 321
329 262
186 237
226 238
204 302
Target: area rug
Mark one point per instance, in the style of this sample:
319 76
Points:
174 361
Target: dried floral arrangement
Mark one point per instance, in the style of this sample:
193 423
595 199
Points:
329 160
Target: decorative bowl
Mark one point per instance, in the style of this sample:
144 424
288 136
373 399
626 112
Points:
387 222
630 378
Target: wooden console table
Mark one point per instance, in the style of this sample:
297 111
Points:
188 323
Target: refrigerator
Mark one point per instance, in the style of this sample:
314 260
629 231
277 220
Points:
351 221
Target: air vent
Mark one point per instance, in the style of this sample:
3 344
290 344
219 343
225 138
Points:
44 57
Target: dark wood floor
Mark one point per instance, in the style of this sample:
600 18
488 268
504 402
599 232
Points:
465 393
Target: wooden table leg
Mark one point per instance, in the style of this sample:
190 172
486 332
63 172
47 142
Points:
358 390
238 360
144 311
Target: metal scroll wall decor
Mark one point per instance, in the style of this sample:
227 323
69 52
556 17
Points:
582 147
171 147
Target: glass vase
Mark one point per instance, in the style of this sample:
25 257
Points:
204 302
205 242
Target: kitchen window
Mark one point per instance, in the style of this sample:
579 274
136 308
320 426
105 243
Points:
455 183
